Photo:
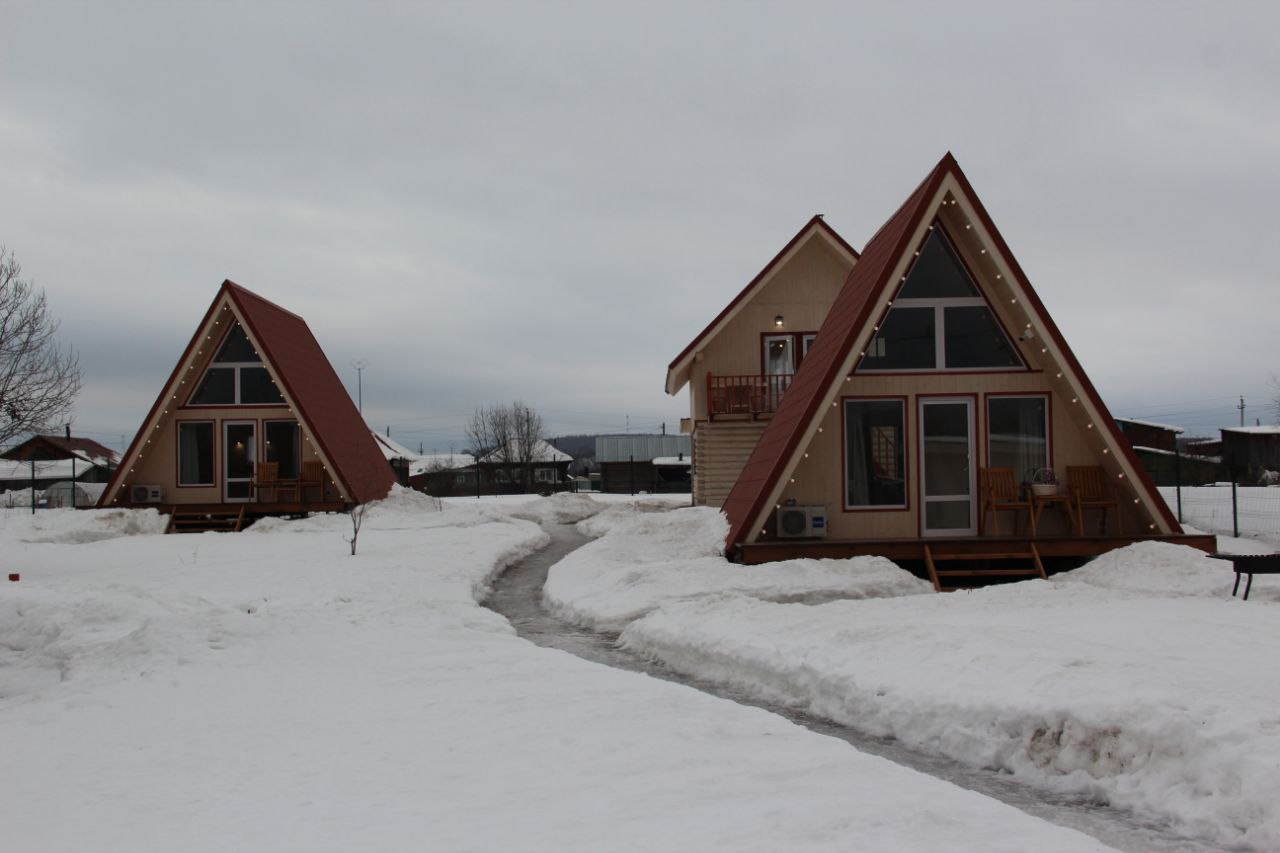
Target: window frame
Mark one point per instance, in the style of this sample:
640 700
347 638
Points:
902 401
801 343
177 453
1048 422
939 306
267 423
235 367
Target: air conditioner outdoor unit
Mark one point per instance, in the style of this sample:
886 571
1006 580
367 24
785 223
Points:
146 494
796 522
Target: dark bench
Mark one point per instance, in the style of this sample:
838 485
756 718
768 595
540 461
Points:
1250 564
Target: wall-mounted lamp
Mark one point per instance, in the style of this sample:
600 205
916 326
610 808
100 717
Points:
778 321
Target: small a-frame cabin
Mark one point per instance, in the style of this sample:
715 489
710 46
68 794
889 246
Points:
900 401
253 421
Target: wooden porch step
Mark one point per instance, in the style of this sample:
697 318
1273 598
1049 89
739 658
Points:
199 521
986 571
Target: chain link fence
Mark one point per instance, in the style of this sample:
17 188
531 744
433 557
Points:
1249 511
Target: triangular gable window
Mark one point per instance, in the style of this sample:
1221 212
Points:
939 320
236 376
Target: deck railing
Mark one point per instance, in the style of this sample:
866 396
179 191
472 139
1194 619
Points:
752 394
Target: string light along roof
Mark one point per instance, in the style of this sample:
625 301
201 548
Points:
852 321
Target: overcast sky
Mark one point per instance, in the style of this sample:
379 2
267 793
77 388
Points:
548 202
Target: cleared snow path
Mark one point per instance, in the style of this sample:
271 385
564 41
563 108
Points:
517 595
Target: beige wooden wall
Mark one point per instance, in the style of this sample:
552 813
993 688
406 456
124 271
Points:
819 477
159 463
801 289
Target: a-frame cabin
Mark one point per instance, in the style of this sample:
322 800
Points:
933 390
253 421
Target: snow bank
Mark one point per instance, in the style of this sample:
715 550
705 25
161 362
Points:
79 526
268 691
1136 680
649 559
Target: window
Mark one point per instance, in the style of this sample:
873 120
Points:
283 447
939 320
779 356
544 475
875 453
783 352
1019 433
236 376
195 453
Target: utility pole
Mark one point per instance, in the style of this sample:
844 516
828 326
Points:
360 364
1241 408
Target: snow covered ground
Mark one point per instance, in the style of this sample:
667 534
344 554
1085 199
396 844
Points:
1137 680
267 691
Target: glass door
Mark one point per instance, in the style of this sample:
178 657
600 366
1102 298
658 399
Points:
946 470
239 453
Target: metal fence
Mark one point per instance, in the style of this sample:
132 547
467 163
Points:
1229 509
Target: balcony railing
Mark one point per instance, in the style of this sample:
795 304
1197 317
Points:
753 394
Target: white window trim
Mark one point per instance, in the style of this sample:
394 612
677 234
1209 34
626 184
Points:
939 307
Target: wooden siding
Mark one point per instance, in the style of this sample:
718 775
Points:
801 290
720 451
819 476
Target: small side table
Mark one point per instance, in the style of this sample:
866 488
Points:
1060 502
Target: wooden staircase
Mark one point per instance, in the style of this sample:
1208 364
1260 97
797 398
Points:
977 567
229 520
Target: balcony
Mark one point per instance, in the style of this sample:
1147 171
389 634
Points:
751 395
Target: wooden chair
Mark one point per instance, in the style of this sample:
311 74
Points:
312 476
1090 489
266 477
999 492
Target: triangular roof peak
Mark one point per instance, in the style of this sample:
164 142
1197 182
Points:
678 370
852 321
306 380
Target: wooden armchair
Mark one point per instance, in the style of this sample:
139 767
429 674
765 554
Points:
266 477
312 477
999 491
1090 489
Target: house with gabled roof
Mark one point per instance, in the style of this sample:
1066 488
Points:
253 420
927 378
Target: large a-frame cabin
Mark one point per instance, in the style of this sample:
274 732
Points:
895 402
253 421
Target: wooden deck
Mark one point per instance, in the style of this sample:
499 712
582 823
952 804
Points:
232 517
1048 547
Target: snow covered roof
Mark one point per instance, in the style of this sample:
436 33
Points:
1178 430
542 452
391 448
1254 430
424 463
672 460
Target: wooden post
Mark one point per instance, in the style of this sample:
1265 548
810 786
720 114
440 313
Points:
1235 514
1177 477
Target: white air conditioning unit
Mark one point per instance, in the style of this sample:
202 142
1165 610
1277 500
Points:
146 494
795 522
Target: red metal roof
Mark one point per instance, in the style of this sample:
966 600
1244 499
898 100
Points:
849 314
867 287
319 399
321 403
44 447
816 222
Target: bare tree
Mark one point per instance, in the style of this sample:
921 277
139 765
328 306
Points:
357 520
1275 397
509 435
39 380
